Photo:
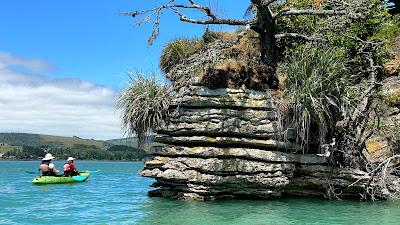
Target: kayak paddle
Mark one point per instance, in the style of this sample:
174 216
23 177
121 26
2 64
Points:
90 171
30 172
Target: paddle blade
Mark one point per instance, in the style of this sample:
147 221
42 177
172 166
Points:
29 172
79 178
90 171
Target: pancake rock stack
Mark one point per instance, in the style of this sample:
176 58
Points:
226 143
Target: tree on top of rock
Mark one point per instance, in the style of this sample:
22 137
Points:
269 19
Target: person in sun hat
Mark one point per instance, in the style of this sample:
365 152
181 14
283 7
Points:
70 168
46 167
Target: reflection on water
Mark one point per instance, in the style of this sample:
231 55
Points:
117 195
288 211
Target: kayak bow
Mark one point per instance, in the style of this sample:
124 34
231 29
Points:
60 180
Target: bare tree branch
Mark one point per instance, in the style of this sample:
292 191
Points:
316 12
206 10
183 18
174 7
296 35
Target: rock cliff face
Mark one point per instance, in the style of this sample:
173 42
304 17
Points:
225 143
386 141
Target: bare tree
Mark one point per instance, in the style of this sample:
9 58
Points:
264 21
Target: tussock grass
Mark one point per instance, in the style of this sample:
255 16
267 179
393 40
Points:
210 36
177 51
144 105
316 87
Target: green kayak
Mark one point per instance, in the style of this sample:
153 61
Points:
60 180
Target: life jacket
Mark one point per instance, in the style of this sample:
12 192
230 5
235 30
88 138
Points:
67 167
48 172
68 171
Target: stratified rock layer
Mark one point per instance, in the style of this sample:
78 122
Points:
210 173
225 143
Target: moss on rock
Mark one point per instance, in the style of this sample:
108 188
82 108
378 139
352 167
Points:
394 98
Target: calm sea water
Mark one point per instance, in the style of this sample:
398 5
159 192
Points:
117 195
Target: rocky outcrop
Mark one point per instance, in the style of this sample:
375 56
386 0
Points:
385 142
211 172
392 67
222 112
225 143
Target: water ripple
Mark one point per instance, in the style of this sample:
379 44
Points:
117 195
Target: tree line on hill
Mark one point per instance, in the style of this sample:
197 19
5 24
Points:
116 152
35 146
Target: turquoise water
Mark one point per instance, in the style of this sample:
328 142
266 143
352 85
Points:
117 195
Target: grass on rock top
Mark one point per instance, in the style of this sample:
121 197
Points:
177 51
238 64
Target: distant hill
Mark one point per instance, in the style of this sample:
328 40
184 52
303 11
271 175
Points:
133 142
38 140
16 144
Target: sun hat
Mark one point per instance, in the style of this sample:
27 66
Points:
48 156
70 159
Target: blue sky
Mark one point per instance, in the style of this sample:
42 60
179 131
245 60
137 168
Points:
62 63
89 39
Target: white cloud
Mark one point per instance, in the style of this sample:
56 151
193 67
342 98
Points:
35 65
67 107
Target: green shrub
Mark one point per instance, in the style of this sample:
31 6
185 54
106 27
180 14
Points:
144 105
177 51
316 86
389 33
210 36
393 99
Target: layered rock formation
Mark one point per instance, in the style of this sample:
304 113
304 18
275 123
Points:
225 143
385 142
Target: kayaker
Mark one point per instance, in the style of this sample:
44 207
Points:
46 167
70 168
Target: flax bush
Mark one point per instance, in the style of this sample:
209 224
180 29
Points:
144 105
317 92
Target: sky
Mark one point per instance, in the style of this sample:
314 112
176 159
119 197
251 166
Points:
63 63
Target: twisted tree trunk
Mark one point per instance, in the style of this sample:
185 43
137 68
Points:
264 25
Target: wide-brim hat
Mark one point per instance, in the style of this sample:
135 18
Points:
48 156
70 159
